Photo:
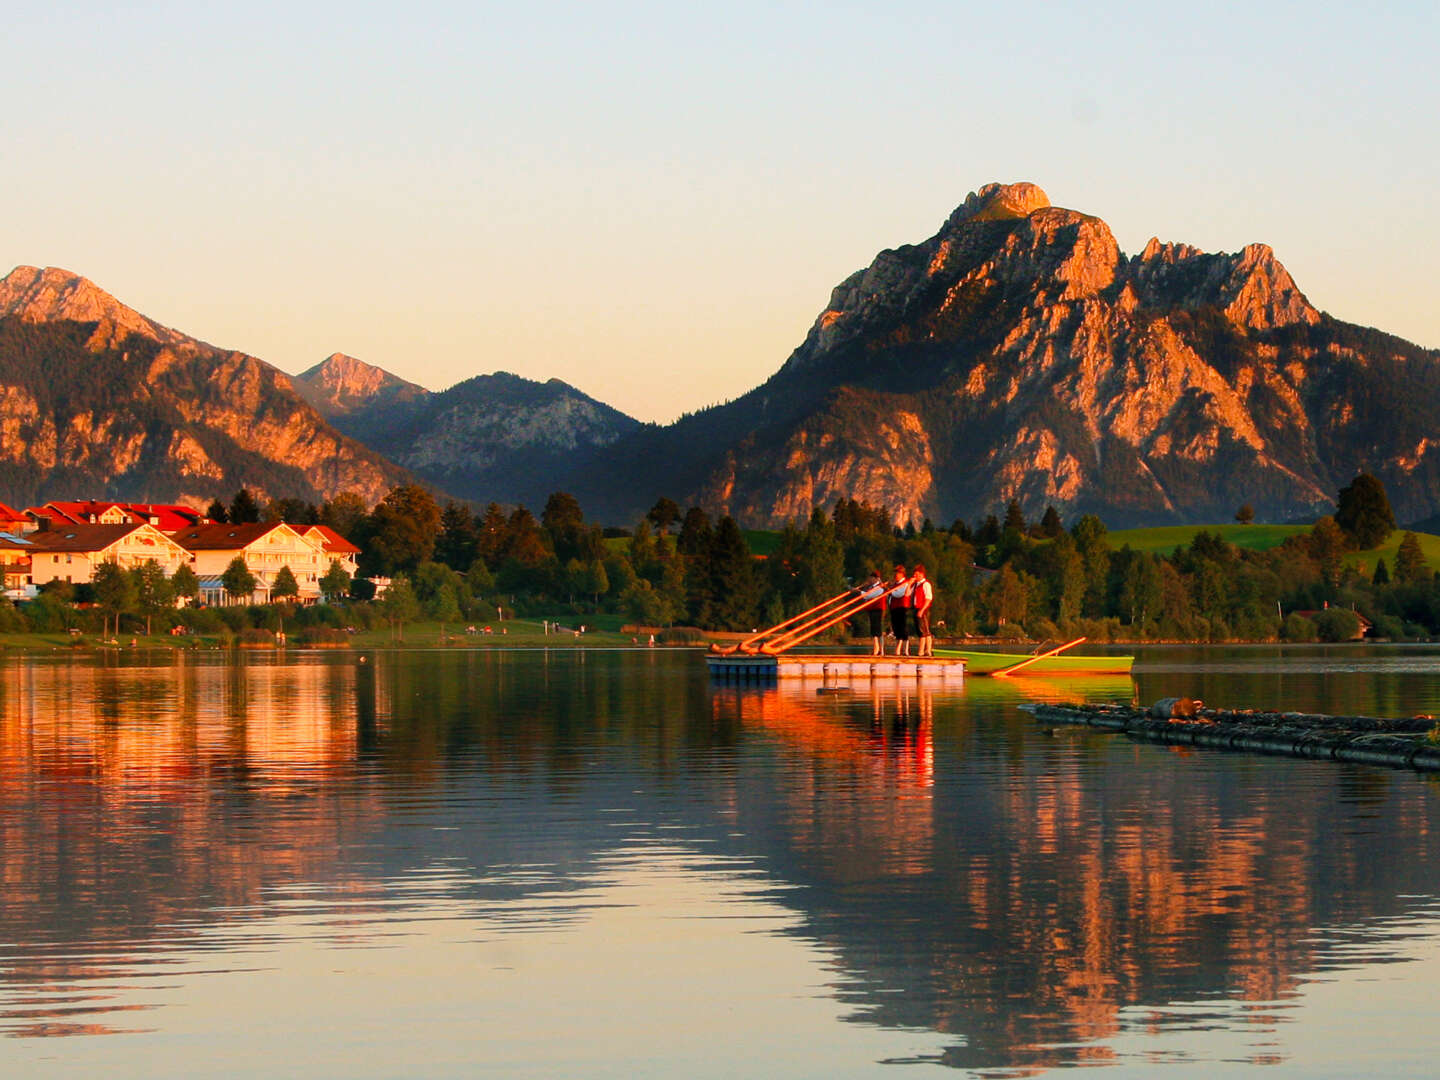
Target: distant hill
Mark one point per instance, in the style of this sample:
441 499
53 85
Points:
97 400
494 437
341 386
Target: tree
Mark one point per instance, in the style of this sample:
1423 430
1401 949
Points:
403 529
217 513
1410 565
1245 515
292 511
1327 546
1050 525
1337 624
564 522
154 592
1014 517
734 591
399 605
1382 574
1363 512
344 513
695 533
336 582
594 579
445 606
239 582
184 582
456 545
663 514
114 590
243 508
647 605
284 587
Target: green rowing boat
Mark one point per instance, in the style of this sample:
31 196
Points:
978 662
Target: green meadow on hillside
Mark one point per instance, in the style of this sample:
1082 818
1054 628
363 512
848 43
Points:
1164 539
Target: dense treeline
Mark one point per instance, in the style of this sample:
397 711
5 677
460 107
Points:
1003 575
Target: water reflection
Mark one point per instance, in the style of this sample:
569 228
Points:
191 847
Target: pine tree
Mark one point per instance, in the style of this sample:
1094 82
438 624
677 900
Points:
243 508
1410 565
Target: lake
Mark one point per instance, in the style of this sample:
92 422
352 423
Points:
591 863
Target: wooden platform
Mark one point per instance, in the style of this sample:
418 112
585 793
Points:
752 668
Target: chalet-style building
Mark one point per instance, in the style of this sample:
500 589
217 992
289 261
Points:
265 547
335 547
72 553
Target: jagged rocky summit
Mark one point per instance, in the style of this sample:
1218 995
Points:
1018 353
99 401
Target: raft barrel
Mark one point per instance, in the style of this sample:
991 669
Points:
1364 740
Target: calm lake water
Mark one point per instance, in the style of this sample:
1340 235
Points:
600 864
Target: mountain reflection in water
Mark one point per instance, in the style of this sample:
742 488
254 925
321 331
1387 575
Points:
671 858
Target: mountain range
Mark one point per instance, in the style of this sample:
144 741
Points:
1015 354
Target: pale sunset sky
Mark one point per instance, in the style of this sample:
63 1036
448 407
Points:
653 200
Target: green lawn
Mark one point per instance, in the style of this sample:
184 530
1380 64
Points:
1164 539
762 541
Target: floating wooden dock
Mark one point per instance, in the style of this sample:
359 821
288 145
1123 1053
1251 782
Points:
1366 740
750 667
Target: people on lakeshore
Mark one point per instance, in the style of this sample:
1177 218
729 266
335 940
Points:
874 591
897 601
922 597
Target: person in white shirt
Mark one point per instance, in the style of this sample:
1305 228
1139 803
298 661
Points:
874 591
897 600
922 597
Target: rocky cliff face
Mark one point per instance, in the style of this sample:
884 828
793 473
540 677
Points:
1018 353
98 400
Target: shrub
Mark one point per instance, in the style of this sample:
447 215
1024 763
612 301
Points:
322 635
1337 624
11 621
255 635
681 635
1298 628
1390 626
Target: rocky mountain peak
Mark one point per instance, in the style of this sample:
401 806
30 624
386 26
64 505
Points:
56 295
1000 202
1251 287
341 384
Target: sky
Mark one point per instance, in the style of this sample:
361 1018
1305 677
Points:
652 201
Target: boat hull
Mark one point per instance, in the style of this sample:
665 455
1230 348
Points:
987 663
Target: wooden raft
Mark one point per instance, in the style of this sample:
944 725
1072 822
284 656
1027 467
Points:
741 667
1366 740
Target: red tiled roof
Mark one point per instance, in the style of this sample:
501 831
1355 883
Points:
168 517
331 540
9 514
79 537
223 537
